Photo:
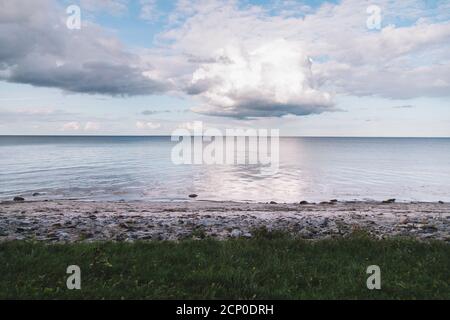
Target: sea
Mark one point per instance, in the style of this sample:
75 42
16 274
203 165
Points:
132 168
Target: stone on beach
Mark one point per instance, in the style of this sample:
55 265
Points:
72 221
236 233
404 220
193 195
325 222
18 199
305 234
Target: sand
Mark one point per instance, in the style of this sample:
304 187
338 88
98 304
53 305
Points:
74 221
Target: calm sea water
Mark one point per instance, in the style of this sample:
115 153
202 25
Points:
140 168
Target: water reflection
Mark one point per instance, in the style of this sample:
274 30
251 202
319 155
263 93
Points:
311 169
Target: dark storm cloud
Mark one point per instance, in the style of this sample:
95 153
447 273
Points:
257 109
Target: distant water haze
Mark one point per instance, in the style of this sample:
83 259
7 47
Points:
140 168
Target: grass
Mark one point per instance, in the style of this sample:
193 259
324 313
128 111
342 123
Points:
271 266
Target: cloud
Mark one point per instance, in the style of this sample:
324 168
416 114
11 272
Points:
408 106
147 125
401 62
152 112
91 126
77 126
273 80
115 7
71 126
149 11
191 126
37 48
239 60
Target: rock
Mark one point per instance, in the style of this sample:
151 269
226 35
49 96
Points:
161 237
273 202
389 201
36 194
64 236
18 199
52 238
236 233
429 228
324 224
313 229
404 220
305 234
303 202
206 223
441 202
333 201
193 195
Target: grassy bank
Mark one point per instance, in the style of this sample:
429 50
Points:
267 267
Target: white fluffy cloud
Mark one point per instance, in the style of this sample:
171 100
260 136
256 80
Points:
149 11
77 126
91 126
71 126
400 62
147 125
275 79
191 126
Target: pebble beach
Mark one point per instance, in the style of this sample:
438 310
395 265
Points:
68 221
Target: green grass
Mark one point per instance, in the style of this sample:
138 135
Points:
270 266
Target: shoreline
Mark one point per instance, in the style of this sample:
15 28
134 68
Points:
67 221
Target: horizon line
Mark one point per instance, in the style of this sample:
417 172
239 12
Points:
164 136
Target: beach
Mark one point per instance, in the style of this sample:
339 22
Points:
67 221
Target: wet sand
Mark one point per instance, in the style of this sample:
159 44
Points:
74 221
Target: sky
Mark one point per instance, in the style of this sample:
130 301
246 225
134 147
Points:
147 67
